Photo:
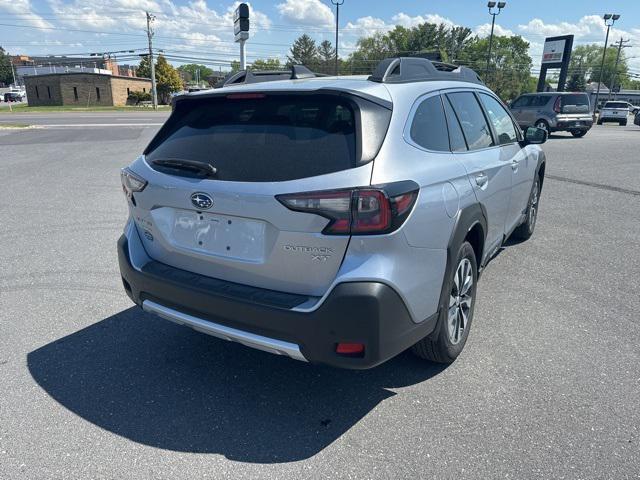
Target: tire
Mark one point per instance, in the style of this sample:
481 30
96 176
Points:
623 123
543 125
456 311
578 133
525 231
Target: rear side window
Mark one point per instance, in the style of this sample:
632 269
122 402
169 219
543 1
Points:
260 138
428 127
476 130
502 123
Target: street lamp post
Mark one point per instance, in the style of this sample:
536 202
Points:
493 14
337 3
609 20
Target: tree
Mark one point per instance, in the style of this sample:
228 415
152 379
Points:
586 59
268 64
327 55
167 79
437 40
194 72
510 64
303 52
258 64
144 69
576 83
6 71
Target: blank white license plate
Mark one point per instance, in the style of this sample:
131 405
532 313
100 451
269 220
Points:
219 234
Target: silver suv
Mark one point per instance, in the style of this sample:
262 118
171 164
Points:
336 220
554 112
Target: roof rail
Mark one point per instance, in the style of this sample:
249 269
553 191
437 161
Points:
415 69
259 76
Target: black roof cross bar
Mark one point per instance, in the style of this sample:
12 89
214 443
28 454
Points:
414 69
248 76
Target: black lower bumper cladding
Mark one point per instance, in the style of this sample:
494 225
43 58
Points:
370 313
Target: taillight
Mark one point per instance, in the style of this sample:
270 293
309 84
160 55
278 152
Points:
358 211
556 106
131 182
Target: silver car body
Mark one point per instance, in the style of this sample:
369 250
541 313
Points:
538 109
262 244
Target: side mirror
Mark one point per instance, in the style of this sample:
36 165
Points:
535 136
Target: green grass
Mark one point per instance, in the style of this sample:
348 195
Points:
67 108
13 125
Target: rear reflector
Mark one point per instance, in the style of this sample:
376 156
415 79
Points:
358 211
355 349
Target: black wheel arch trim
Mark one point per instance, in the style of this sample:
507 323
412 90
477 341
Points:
466 219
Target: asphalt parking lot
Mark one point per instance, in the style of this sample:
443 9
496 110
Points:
548 385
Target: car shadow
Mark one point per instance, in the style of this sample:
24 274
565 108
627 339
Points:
169 387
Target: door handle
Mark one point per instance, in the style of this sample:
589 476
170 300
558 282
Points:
481 179
514 165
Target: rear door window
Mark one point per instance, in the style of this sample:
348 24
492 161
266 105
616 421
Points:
522 102
500 119
540 100
428 127
474 125
456 137
260 138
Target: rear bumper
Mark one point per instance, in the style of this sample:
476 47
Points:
370 313
569 125
612 118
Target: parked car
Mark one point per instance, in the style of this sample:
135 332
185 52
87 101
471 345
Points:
554 112
636 119
334 220
614 112
14 96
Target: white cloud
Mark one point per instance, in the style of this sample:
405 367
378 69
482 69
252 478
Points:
485 29
588 29
25 12
306 12
367 26
409 21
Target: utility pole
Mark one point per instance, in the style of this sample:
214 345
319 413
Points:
614 76
13 72
154 92
337 3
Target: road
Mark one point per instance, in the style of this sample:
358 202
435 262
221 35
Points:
86 119
548 385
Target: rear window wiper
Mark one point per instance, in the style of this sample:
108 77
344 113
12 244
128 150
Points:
202 168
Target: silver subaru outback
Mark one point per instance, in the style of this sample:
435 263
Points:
335 220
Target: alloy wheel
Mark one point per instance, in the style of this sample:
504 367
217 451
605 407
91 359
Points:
533 206
460 301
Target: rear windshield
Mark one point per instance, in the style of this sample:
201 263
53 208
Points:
620 105
258 138
578 103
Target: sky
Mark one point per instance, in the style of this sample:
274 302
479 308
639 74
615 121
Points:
188 30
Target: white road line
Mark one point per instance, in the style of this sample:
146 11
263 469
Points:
82 125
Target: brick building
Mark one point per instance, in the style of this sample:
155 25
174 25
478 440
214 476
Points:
82 89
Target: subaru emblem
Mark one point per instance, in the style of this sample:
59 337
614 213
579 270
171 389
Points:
201 201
